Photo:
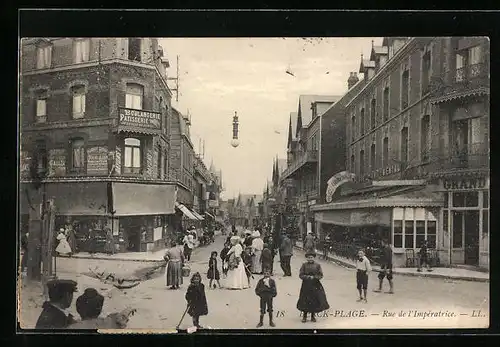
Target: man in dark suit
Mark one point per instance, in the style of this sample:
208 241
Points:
53 315
286 252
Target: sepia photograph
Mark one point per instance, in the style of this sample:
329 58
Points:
201 184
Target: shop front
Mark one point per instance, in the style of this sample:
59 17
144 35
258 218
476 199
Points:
466 222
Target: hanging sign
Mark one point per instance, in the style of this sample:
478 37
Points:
336 181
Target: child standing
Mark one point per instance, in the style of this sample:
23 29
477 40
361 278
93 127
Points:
247 261
213 271
196 299
266 290
363 267
223 257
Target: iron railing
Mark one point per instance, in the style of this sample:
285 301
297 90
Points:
306 157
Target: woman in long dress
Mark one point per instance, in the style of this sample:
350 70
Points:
312 298
63 247
236 277
257 247
173 271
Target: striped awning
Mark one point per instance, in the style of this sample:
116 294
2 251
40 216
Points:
186 211
197 215
138 130
461 94
210 215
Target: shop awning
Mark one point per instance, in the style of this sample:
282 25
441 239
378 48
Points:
355 218
78 198
210 215
197 215
133 199
186 211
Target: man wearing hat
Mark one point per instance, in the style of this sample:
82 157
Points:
54 315
286 252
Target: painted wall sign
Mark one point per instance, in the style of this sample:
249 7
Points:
57 162
468 183
140 119
336 181
97 160
25 162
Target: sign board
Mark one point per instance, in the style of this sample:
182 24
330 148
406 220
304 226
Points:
140 119
465 183
213 203
25 162
57 162
157 233
97 160
336 181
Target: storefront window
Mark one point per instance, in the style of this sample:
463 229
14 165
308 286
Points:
398 234
466 199
420 225
409 234
446 199
486 199
431 233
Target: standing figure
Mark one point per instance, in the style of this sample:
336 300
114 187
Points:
363 267
236 277
71 237
266 291
24 249
267 259
309 243
224 257
188 245
196 299
110 242
286 252
247 261
173 271
423 257
257 247
248 239
63 247
92 242
213 271
54 314
312 297
385 268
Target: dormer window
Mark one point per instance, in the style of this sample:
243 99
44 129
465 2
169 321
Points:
44 56
134 49
82 50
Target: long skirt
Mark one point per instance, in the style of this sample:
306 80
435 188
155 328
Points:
63 247
173 273
256 262
237 278
312 297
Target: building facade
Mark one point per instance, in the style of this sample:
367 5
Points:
418 150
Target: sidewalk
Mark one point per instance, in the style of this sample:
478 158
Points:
438 272
150 257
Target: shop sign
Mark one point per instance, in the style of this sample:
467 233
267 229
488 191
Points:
97 160
336 181
213 203
466 183
57 162
140 119
25 162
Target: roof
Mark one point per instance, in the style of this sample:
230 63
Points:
245 198
305 102
378 50
282 164
293 119
365 63
257 199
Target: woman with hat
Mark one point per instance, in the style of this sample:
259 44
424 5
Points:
173 271
236 277
312 298
257 247
89 307
63 247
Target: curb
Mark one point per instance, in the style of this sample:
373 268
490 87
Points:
423 274
115 259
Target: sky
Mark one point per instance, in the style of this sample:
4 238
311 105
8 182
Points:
221 76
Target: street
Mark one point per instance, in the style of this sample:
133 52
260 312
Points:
417 303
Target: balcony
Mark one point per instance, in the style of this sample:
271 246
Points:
306 157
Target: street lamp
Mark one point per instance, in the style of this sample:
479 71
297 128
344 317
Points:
235 142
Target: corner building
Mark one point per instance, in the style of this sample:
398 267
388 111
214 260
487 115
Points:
95 125
418 146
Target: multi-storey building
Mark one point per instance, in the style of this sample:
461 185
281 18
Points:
95 117
417 144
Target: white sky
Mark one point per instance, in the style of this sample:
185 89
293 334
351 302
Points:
222 75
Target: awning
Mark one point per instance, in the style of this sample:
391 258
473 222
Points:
197 215
210 215
186 211
134 199
355 218
79 198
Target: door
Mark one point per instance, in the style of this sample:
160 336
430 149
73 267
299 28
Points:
461 137
471 222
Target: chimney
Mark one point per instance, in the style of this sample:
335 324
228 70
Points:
352 80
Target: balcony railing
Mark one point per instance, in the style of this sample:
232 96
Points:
469 73
306 157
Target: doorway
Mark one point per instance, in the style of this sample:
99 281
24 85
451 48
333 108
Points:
466 234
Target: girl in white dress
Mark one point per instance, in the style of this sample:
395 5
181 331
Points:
236 277
63 247
257 247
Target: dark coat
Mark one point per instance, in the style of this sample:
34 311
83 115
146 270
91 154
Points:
248 241
213 271
312 296
267 258
286 247
53 318
223 253
247 260
197 301
262 290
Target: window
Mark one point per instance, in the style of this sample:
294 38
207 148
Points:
78 101
465 199
82 51
385 153
373 113
426 72
386 103
409 234
398 234
353 128
475 56
420 229
425 139
405 88
431 233
353 164
41 157
361 163
44 57
362 122
404 146
132 155
460 60
134 49
372 157
78 155
41 107
134 96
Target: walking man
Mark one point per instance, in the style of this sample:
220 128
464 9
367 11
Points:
286 252
385 268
